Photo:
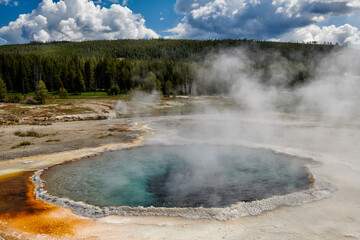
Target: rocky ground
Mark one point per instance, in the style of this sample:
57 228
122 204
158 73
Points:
55 111
62 125
62 136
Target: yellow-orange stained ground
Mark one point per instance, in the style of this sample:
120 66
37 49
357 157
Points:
22 216
21 213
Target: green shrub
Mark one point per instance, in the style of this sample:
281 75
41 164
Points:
63 93
41 124
30 133
114 90
15 98
41 92
22 144
19 134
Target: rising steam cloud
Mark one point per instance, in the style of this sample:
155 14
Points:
334 92
331 92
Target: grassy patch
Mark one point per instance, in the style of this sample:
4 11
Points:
85 95
16 110
41 124
119 129
177 110
22 144
19 134
109 135
30 133
72 110
53 140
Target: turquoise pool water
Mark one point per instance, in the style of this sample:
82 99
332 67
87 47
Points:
178 176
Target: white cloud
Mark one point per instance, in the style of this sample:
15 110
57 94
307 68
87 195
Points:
345 34
75 20
5 2
8 2
254 18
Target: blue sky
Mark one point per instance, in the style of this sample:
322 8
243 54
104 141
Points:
153 11
276 20
11 12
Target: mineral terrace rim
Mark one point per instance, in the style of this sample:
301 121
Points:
318 189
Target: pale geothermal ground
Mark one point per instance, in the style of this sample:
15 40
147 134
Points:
335 146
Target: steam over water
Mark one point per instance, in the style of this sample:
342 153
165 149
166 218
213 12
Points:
178 176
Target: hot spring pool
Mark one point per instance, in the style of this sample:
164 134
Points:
178 176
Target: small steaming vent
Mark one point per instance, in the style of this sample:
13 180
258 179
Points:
178 176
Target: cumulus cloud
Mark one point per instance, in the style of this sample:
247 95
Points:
75 20
253 18
9 2
5 2
345 34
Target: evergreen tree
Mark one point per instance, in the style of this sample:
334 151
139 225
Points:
3 90
63 93
108 73
79 82
152 83
168 88
89 76
41 92
114 90
71 81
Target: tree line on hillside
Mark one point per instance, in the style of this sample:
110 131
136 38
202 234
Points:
166 50
21 74
168 66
